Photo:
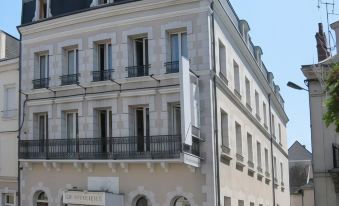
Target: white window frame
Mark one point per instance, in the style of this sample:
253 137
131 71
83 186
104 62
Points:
248 92
236 68
145 120
76 61
145 57
180 34
46 66
250 147
108 56
5 199
109 120
225 129
257 106
267 163
259 158
9 105
45 115
75 121
238 135
37 10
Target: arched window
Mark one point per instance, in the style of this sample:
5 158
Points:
41 199
181 201
142 201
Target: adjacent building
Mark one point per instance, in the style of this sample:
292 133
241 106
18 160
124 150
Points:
324 139
147 102
301 175
9 86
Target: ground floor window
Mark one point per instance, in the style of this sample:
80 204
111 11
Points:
41 199
181 201
9 200
142 201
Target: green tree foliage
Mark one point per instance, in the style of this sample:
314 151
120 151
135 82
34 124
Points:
332 102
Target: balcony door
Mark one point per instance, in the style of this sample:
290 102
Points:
142 129
43 131
176 120
141 51
72 131
105 128
178 45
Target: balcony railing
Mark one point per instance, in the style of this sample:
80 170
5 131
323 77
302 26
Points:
113 148
69 79
172 67
40 83
335 156
138 71
102 75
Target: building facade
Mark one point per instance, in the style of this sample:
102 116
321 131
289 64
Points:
324 139
9 86
147 103
301 175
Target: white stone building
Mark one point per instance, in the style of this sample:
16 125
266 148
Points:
147 102
9 86
324 139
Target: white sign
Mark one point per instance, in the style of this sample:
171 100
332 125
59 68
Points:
84 198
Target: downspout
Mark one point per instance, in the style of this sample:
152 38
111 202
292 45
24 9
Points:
216 146
272 162
19 125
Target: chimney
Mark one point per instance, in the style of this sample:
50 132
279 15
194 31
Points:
335 27
321 44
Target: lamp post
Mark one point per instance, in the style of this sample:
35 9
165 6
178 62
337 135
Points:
295 86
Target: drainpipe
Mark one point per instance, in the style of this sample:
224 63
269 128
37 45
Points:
272 162
216 146
19 124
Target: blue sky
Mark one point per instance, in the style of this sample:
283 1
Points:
285 31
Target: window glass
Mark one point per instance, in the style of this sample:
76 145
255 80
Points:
224 128
174 47
71 62
238 138
259 154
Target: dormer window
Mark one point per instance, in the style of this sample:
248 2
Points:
42 10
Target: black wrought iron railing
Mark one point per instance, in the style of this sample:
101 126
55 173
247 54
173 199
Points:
102 75
40 83
335 156
138 71
70 79
114 148
172 67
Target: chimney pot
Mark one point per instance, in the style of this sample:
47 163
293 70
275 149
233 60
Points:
322 48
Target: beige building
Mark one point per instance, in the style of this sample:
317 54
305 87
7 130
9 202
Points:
324 139
9 85
147 103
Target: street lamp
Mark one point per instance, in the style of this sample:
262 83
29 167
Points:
295 86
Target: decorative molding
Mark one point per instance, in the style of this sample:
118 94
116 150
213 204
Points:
112 166
150 166
89 166
77 166
176 25
57 166
124 166
47 166
164 166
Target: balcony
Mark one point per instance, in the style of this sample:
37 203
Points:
172 67
102 75
40 83
69 79
138 71
111 148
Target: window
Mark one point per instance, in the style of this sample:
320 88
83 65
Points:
71 70
241 203
42 126
224 129
181 201
42 9
103 62
248 93
178 48
142 128
236 78
142 201
275 168
251 204
257 105
41 71
9 100
259 154
222 61
227 201
72 126
195 106
249 147
238 138
139 58
266 161
279 128
273 127
175 119
41 199
281 172
9 200
264 114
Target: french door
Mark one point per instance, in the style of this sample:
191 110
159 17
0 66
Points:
43 132
72 131
105 129
142 129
